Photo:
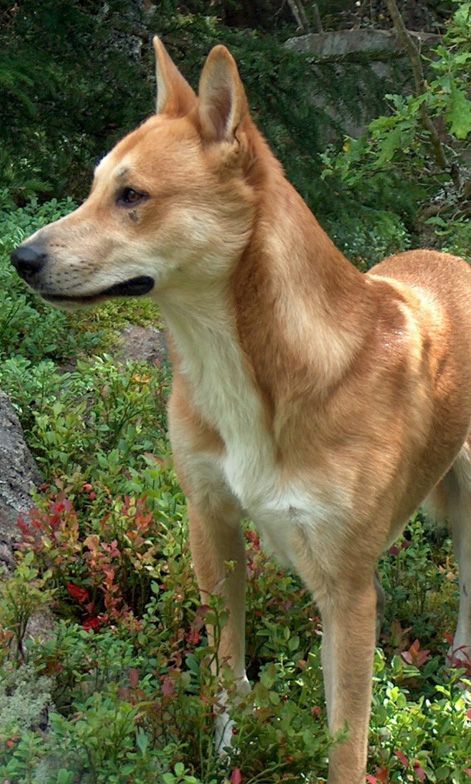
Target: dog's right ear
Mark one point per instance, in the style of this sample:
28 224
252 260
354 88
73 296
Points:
174 95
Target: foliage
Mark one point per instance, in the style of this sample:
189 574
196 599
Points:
132 699
369 235
398 143
56 112
60 116
21 595
397 157
453 232
123 689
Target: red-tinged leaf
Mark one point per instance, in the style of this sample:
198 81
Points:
382 775
419 771
460 659
468 772
201 613
193 637
23 526
253 538
78 593
111 548
95 623
371 779
236 776
416 655
133 677
402 758
168 686
422 658
468 714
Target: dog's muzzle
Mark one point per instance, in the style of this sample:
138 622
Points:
29 260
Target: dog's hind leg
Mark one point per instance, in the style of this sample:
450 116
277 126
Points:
459 505
451 500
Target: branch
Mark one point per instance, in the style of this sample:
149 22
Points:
419 81
297 9
317 18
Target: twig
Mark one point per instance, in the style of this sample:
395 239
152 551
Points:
420 84
297 9
317 18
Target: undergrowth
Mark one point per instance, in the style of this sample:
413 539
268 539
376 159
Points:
121 689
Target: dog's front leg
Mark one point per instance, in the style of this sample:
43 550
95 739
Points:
215 540
349 625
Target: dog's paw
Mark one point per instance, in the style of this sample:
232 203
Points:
223 733
224 725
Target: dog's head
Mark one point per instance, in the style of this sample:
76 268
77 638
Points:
171 205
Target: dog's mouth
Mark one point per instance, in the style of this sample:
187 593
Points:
134 287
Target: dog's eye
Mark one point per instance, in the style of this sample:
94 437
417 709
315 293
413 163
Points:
128 197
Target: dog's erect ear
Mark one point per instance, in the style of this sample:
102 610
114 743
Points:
222 101
174 95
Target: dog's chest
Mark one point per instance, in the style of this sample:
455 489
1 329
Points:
276 506
284 509
250 465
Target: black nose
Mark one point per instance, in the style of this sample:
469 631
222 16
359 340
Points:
28 260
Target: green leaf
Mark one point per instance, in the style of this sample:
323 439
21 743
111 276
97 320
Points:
392 141
142 741
459 113
64 776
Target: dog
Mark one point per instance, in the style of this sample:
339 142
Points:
324 403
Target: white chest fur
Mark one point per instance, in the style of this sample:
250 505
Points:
224 393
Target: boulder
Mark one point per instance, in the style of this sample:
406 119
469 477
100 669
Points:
19 475
146 344
368 44
363 65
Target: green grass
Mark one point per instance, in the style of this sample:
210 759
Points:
107 549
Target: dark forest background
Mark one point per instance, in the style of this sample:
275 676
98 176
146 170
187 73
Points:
75 75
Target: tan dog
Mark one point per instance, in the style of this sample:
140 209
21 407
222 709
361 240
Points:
324 403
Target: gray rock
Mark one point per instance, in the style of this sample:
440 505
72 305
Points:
143 344
355 44
19 474
373 64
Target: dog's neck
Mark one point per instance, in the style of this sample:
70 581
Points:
291 317
302 308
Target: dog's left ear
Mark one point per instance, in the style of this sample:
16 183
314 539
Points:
222 100
174 95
